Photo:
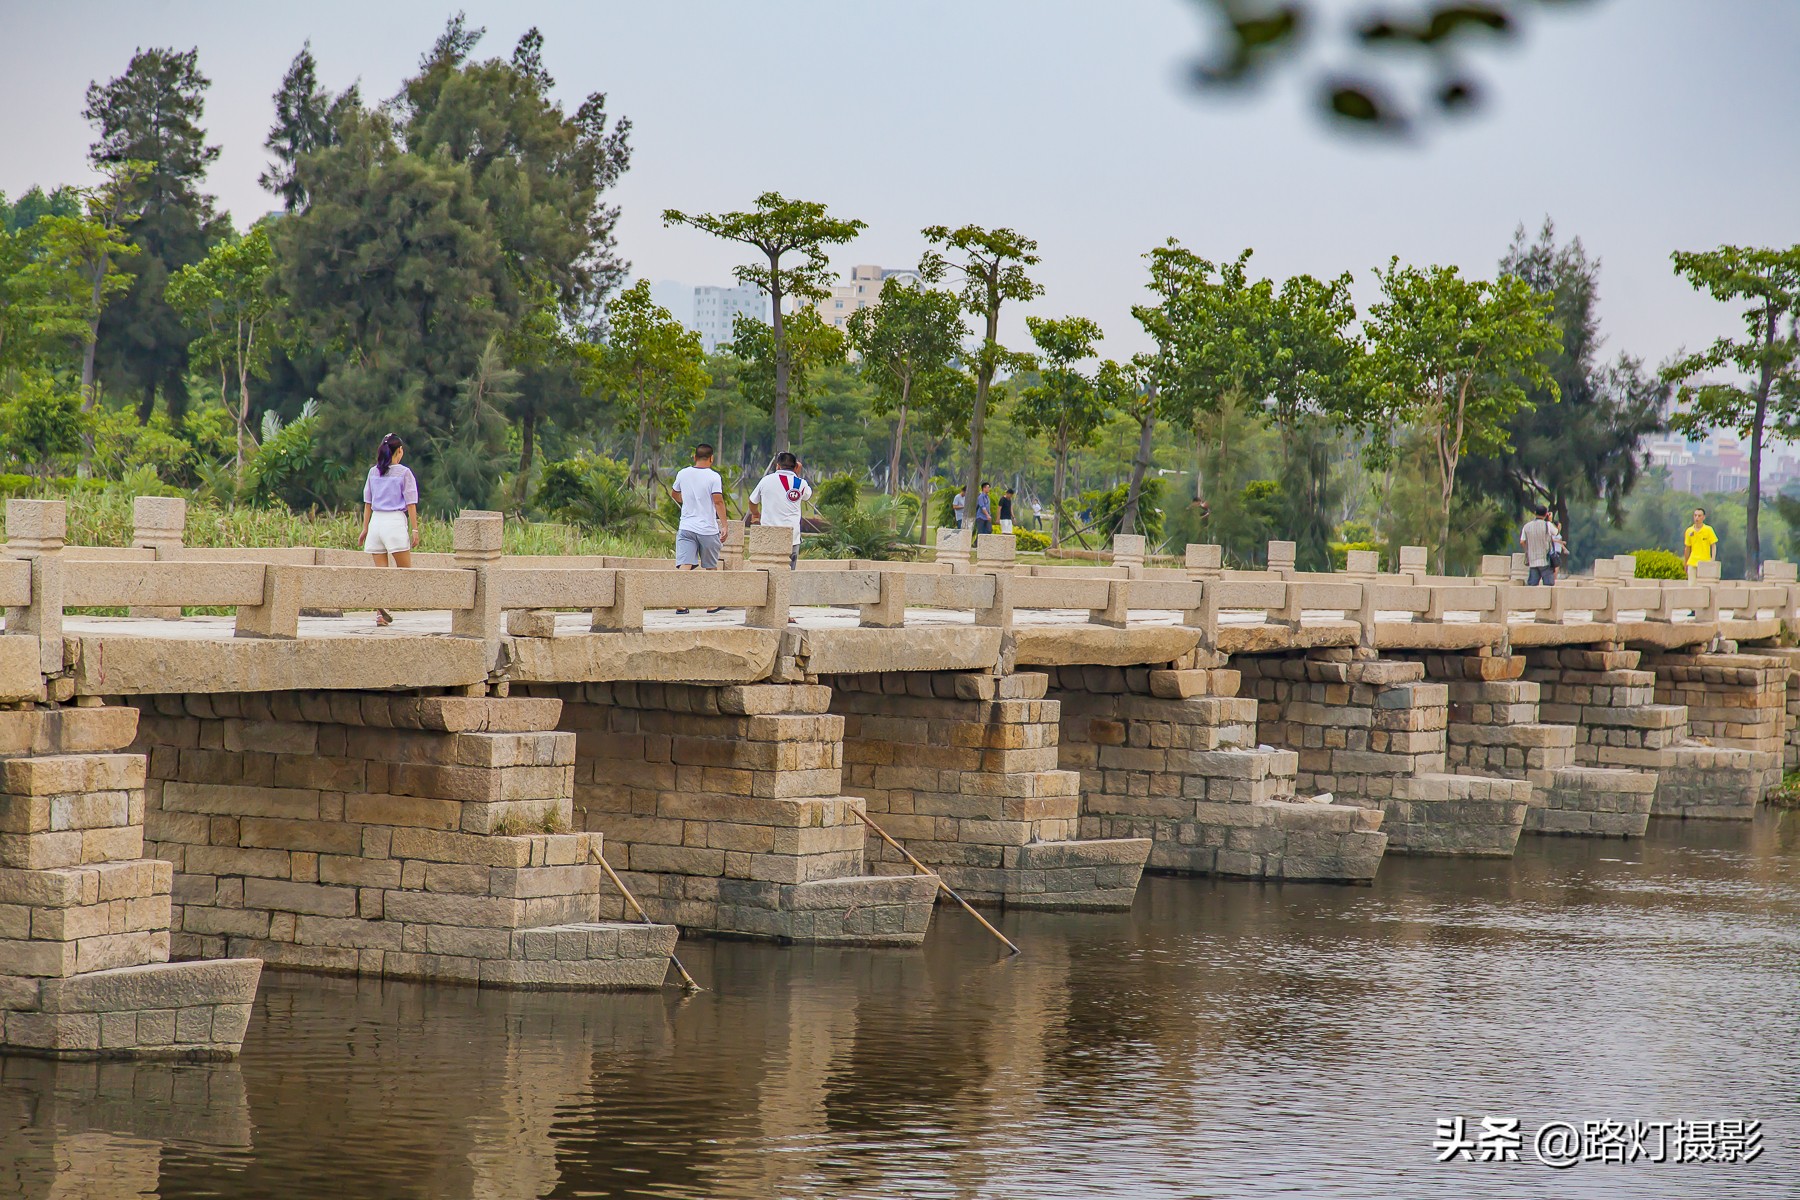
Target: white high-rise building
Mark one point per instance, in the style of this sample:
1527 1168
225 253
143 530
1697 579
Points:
715 308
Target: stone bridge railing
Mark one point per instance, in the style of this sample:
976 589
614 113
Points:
488 595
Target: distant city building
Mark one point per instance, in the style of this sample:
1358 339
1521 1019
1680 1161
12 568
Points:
861 289
709 311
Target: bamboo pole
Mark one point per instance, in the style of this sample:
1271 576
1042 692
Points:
687 981
944 887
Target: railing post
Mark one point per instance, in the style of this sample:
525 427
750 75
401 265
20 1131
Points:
1496 572
1415 561
1365 612
1128 552
953 548
477 538
34 531
1204 559
1520 570
1205 618
766 549
278 616
1281 558
626 614
1362 563
158 523
997 554
1783 575
889 611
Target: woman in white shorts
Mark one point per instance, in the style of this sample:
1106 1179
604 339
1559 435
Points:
390 511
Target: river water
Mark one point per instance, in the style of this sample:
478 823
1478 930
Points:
1222 1039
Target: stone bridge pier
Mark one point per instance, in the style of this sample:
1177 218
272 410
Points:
964 769
723 808
1172 755
1495 728
1623 716
384 834
1372 732
85 915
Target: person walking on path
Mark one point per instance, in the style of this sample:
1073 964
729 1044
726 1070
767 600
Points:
1543 549
984 511
700 534
778 497
958 504
1006 517
1698 542
390 524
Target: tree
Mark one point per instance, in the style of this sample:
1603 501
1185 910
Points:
151 115
992 268
41 422
229 296
41 300
652 367
911 333
306 117
1065 405
1767 360
807 344
942 402
93 243
542 174
1454 356
1135 391
422 290
1580 443
780 228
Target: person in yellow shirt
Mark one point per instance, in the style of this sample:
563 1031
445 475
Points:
1699 540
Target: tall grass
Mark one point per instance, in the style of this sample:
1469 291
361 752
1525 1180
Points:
104 519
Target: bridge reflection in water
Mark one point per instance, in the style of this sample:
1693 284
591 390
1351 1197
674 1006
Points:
1219 1039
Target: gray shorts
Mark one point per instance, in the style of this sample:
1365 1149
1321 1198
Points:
697 549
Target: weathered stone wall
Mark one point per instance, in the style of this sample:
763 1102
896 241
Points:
1613 703
384 835
1595 802
1372 732
1172 756
722 808
962 769
1610 703
1736 700
84 916
1493 724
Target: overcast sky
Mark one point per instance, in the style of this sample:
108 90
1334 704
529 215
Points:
1640 125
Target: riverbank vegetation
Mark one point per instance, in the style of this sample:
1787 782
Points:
444 263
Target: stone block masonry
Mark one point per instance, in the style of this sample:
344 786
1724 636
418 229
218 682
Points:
722 808
85 916
1735 700
1595 802
383 834
963 769
1172 756
1372 732
1613 702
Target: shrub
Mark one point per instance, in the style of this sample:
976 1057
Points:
1659 564
840 491
1031 539
593 493
1340 552
856 531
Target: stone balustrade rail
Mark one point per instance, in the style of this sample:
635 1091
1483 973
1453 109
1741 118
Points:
488 594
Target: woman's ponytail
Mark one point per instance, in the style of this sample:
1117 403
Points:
384 453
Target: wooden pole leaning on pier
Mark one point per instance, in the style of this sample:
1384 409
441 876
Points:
942 886
687 981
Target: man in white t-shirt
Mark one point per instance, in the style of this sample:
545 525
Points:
701 533
778 497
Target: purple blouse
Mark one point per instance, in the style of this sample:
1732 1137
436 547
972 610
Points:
391 492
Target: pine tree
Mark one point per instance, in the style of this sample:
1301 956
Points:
302 124
151 115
